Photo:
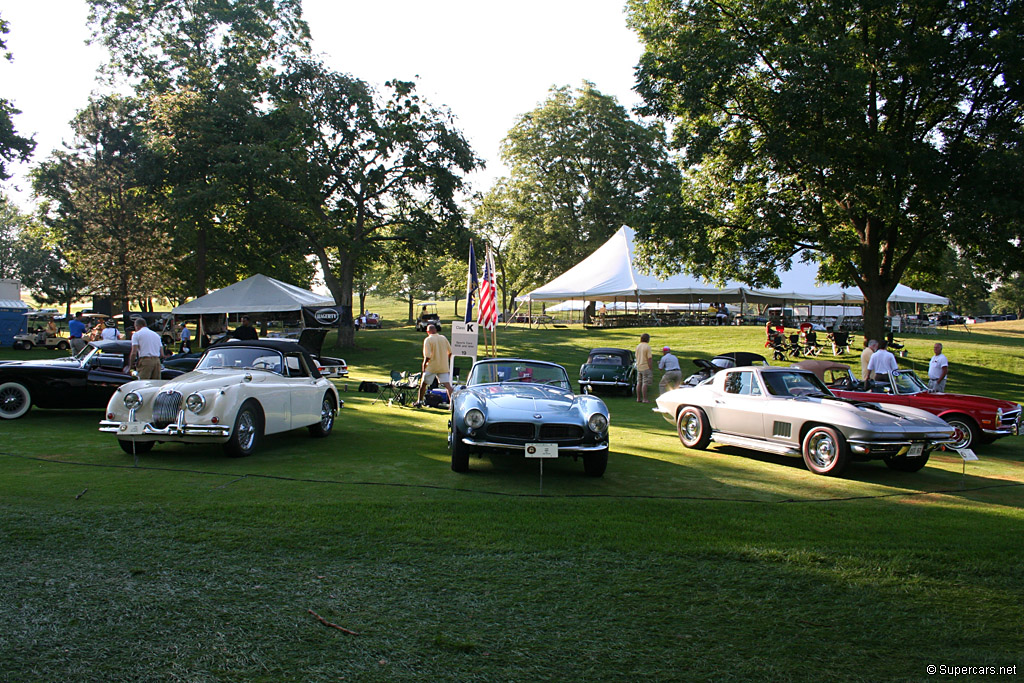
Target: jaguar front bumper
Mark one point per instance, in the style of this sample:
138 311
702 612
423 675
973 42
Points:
129 430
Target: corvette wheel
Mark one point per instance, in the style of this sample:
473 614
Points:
326 424
693 428
246 433
15 400
825 452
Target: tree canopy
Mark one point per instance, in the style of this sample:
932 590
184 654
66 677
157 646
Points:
581 167
863 134
13 147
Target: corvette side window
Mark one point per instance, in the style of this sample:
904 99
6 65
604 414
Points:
741 383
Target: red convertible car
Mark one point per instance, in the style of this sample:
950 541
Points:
977 419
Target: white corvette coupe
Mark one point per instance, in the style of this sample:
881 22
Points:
238 392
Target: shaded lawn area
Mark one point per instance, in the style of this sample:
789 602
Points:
676 565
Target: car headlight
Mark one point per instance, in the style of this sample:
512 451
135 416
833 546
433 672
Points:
132 400
195 403
999 415
597 423
474 419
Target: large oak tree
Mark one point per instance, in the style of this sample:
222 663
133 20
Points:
861 133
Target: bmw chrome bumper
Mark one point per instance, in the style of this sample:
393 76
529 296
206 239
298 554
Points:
582 448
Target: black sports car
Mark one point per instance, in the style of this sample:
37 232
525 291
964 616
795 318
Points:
86 380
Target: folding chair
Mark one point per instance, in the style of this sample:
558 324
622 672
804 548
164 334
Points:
390 391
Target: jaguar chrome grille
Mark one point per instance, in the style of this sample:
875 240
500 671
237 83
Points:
165 408
560 432
511 430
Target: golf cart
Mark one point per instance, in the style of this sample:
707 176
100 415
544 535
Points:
38 336
428 315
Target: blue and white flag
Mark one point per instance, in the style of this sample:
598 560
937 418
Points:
471 284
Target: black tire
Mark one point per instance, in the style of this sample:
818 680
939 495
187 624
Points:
459 450
15 400
825 451
247 431
63 346
594 464
26 345
902 463
966 431
326 424
693 428
135 447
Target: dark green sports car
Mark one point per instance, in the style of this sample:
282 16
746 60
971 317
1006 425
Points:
608 368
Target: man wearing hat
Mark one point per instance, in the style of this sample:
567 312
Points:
110 330
669 364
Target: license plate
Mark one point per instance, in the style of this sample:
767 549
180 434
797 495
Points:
133 428
916 449
542 450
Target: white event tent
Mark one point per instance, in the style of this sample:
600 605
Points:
257 294
610 273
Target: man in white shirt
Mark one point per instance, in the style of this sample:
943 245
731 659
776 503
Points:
938 368
882 363
110 331
669 364
147 348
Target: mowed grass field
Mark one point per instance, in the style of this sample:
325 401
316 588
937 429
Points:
676 565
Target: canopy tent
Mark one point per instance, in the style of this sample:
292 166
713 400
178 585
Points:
257 294
610 272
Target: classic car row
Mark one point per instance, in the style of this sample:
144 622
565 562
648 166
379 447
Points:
240 391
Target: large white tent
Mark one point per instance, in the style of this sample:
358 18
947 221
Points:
610 272
257 294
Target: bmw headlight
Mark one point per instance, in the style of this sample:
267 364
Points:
195 403
474 419
132 400
597 423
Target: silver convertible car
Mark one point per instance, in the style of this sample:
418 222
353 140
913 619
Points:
238 392
791 412
526 406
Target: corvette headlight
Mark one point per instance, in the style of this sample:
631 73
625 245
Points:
195 403
474 419
597 423
132 400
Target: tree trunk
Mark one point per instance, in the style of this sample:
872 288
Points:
340 285
200 283
411 301
875 304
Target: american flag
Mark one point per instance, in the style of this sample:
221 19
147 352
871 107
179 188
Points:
488 295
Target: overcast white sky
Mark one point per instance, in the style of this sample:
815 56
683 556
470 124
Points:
486 61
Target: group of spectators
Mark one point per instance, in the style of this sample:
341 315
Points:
877 363
669 365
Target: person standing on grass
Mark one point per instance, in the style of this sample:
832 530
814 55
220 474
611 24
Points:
147 349
938 369
644 368
673 376
77 330
865 358
882 363
437 354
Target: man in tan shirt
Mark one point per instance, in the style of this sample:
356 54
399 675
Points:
644 368
865 358
437 353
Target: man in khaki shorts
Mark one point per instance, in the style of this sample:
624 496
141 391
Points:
644 368
437 353
147 348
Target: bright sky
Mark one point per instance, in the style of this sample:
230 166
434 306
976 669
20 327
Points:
488 62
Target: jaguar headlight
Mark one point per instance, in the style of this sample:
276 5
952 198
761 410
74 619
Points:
474 419
195 403
597 423
132 400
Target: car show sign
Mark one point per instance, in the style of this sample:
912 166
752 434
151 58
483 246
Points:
541 450
321 316
464 339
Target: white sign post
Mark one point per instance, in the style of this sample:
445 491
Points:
464 341
541 451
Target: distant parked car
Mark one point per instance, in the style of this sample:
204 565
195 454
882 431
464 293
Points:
520 406
238 393
977 419
789 411
608 368
723 361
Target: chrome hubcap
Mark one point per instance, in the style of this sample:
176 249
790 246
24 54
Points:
961 437
823 450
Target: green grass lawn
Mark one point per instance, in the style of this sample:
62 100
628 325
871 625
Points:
676 565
